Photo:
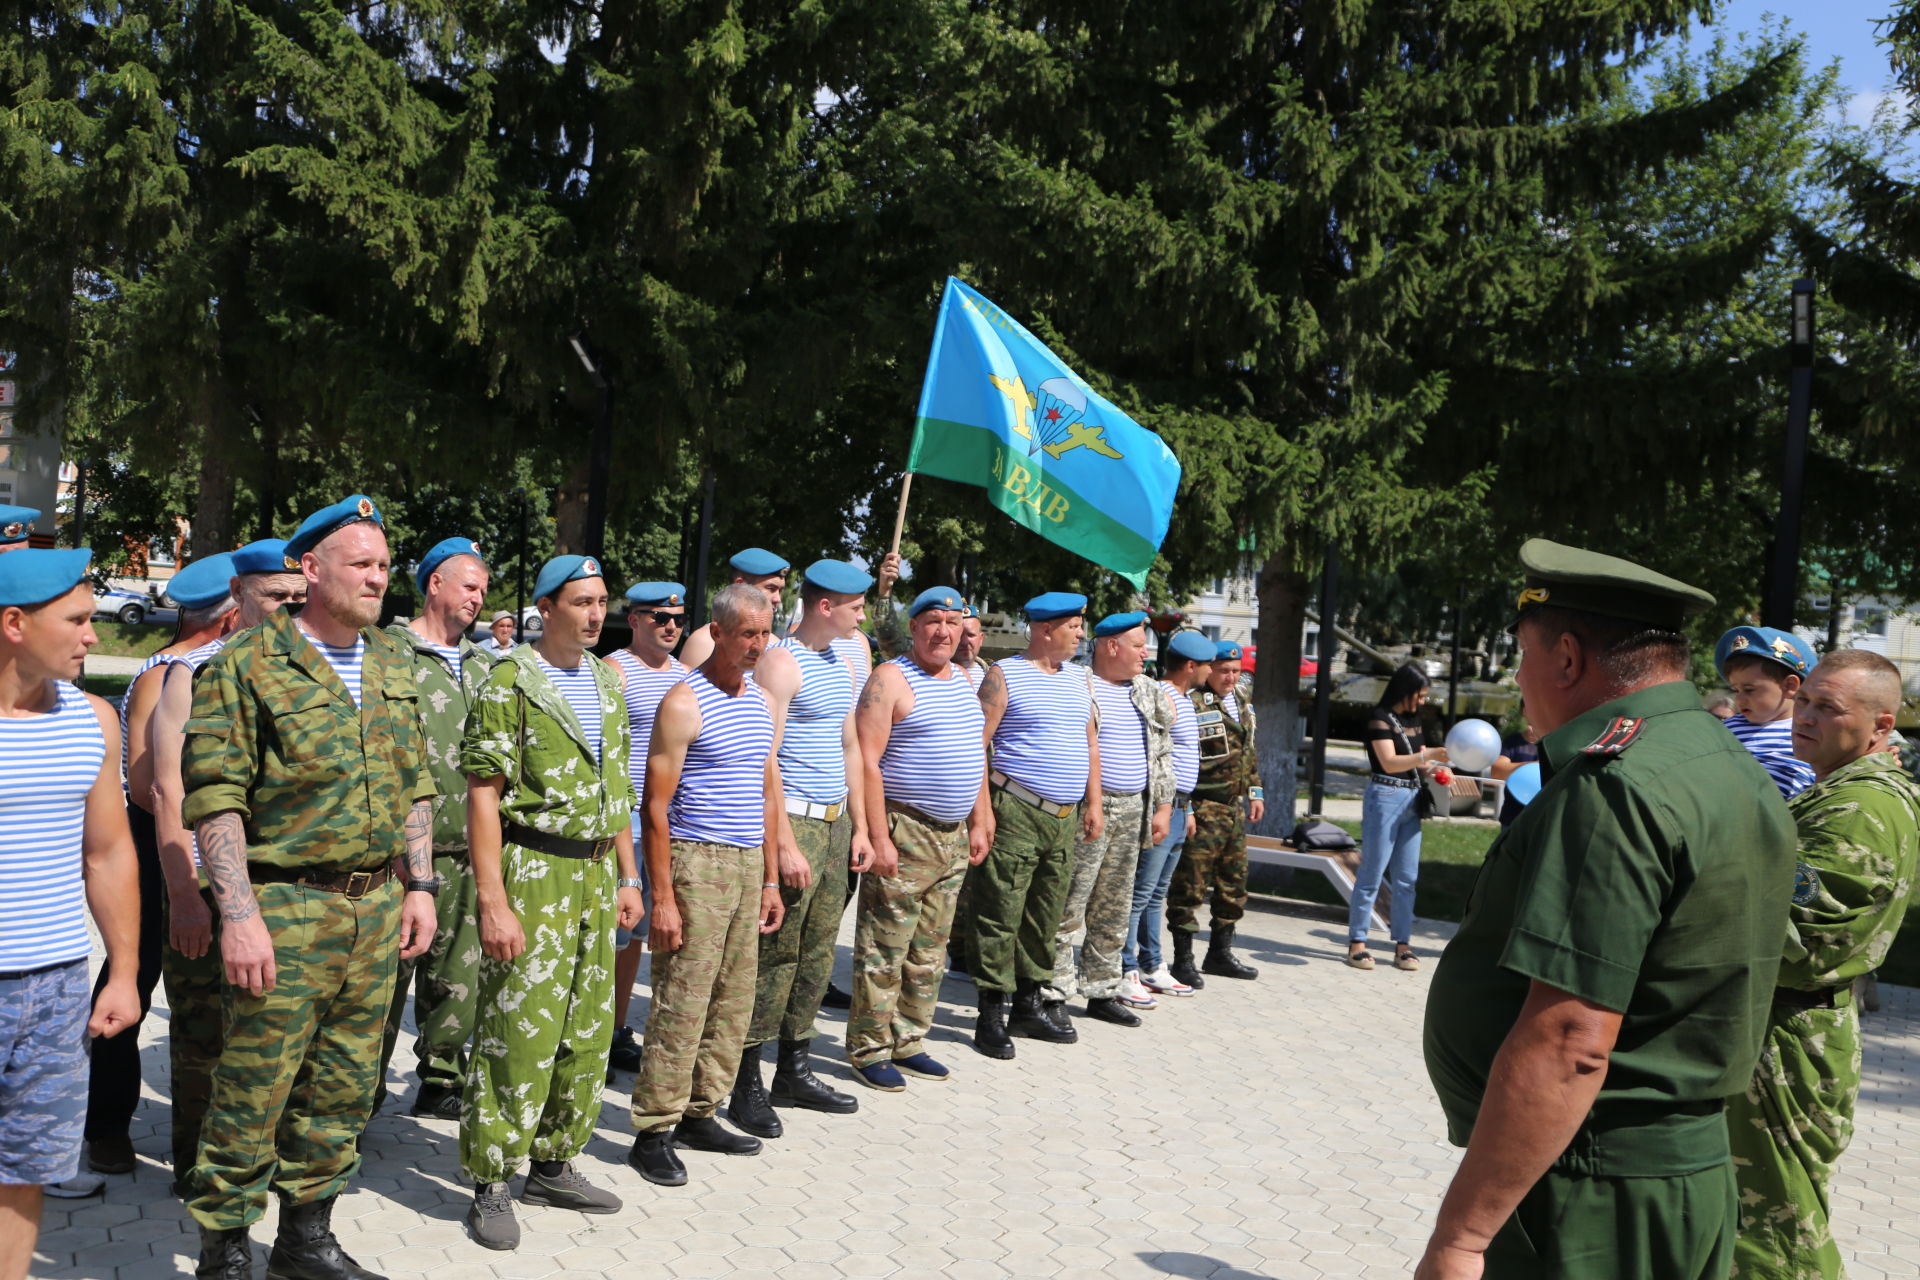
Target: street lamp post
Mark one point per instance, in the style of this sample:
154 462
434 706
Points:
1783 573
1323 682
599 451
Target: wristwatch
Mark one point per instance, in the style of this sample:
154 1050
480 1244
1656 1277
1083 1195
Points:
632 882
431 885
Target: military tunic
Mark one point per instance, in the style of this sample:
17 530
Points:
1647 877
445 981
1859 828
322 788
546 1016
1216 857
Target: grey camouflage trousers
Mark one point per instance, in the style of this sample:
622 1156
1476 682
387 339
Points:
900 937
1099 901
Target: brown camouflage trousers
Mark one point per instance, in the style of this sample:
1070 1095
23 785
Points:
194 1036
444 983
1216 860
703 992
293 1088
1787 1131
900 937
1014 897
545 1018
1099 901
796 960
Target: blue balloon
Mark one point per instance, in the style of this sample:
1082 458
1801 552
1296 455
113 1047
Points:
1523 784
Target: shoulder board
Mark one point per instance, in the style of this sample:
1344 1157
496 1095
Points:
1617 737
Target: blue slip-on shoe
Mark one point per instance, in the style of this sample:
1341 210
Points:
924 1066
880 1075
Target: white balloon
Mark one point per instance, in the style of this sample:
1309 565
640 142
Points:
1472 745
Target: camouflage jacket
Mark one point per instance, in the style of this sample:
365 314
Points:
274 737
1859 830
1157 713
522 729
1228 768
443 718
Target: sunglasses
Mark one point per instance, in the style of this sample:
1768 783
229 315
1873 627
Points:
661 618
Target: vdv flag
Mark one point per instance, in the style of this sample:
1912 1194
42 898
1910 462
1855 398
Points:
999 410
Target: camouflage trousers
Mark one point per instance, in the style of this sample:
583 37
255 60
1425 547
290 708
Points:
1216 860
1015 896
900 937
195 1036
703 992
796 960
292 1091
444 983
545 1018
1099 900
1787 1132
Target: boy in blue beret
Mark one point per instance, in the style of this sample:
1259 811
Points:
1764 667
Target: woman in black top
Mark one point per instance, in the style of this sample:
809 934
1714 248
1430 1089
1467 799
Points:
1389 823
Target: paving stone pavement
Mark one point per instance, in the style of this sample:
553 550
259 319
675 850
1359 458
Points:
1281 1128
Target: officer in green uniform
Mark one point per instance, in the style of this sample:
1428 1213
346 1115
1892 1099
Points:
1226 798
1609 986
1859 825
308 791
448 669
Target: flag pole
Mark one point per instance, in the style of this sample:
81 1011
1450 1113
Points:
900 516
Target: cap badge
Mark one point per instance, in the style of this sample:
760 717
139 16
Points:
1782 647
1534 595
946 600
473 547
14 530
673 599
290 562
365 509
589 566
1741 642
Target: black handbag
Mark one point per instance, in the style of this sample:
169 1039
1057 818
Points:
1311 836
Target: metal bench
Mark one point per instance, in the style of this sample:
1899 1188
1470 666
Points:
1334 866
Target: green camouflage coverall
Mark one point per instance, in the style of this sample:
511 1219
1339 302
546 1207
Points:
1216 857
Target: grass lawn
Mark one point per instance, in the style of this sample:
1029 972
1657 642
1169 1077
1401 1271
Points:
112 688
118 640
1450 856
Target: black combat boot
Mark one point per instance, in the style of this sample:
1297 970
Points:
1055 1012
1030 1018
990 1030
836 998
705 1133
795 1085
1220 961
306 1249
1182 968
654 1157
750 1108
1108 1009
225 1254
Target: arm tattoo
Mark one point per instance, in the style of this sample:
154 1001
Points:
869 695
419 828
993 690
223 852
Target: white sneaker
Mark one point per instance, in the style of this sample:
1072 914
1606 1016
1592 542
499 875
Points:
78 1187
1134 993
1165 983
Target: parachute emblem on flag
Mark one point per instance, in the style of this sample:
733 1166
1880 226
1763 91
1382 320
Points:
1053 417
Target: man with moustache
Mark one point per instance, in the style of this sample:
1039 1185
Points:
1227 796
306 775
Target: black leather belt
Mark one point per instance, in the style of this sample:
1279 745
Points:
558 846
354 884
1389 780
1794 998
1183 799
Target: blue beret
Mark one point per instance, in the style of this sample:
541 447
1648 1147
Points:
269 555
1116 623
1191 645
1226 651
1771 643
16 523
36 575
656 593
443 551
327 520
969 612
757 562
1055 604
203 582
935 598
838 577
561 570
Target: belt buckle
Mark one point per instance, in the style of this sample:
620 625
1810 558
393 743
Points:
601 848
830 813
358 883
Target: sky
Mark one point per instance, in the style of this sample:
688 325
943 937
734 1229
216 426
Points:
1842 29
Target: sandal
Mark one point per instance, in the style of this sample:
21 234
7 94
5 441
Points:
1406 960
1361 959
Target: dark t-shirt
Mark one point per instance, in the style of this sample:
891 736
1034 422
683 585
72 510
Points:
1388 734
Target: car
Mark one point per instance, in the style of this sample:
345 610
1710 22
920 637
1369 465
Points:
130 607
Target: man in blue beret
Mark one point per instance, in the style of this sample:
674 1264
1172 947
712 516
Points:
65 853
820 830
1188 657
16 526
966 651
1764 667
448 669
1227 796
1133 722
264 581
305 767
755 567
1046 794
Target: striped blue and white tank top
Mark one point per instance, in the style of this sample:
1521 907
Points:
345 660
813 758
582 693
1042 739
126 706
645 688
450 654
722 794
854 652
1231 702
1772 745
48 763
1186 740
936 753
1123 739
975 672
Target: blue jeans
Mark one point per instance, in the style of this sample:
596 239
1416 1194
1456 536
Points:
621 937
1150 881
1389 846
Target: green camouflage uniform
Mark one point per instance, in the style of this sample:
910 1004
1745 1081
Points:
900 937
445 981
324 789
1858 834
796 960
194 1035
1216 855
1100 897
546 1016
